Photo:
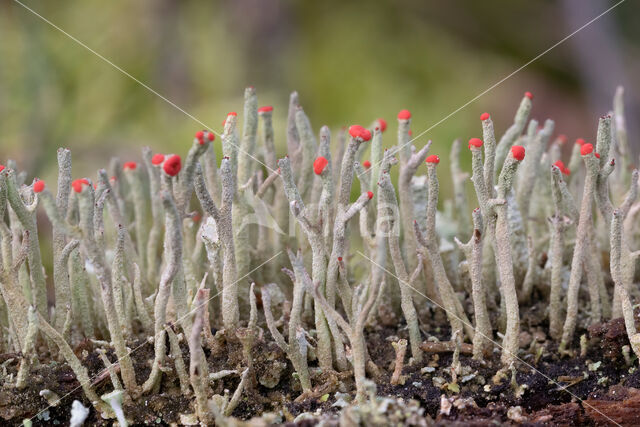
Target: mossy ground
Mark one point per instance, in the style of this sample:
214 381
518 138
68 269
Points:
599 377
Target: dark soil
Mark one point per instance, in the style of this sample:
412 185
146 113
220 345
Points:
589 390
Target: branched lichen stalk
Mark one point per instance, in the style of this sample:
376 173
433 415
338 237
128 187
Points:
296 350
223 218
431 242
605 167
319 263
388 195
173 259
408 165
28 221
96 256
504 260
353 330
342 205
482 341
581 245
622 269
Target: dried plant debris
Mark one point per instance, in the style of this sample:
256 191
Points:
193 289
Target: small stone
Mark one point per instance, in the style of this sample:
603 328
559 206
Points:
427 369
514 413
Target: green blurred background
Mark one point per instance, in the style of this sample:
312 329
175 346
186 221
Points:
351 62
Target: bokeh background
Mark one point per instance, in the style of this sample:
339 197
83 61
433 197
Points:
351 62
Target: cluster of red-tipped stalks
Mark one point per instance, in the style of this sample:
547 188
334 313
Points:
162 252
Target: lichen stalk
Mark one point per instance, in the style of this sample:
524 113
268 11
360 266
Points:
605 166
178 362
309 148
581 246
459 179
514 131
119 282
354 330
504 261
531 169
622 266
319 263
198 370
245 171
60 270
141 309
388 196
173 257
482 342
27 219
430 241
141 222
28 349
223 218
86 200
408 166
295 349
339 227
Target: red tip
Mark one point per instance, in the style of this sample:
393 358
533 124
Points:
404 115
410 133
383 124
563 138
157 159
233 113
597 155
38 186
433 159
202 133
528 95
586 149
370 194
580 141
129 165
196 217
357 131
172 165
112 179
366 164
1 168
79 184
518 152
484 116
560 165
340 259
319 164
265 109
475 142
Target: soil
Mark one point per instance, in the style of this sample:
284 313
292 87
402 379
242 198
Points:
590 389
